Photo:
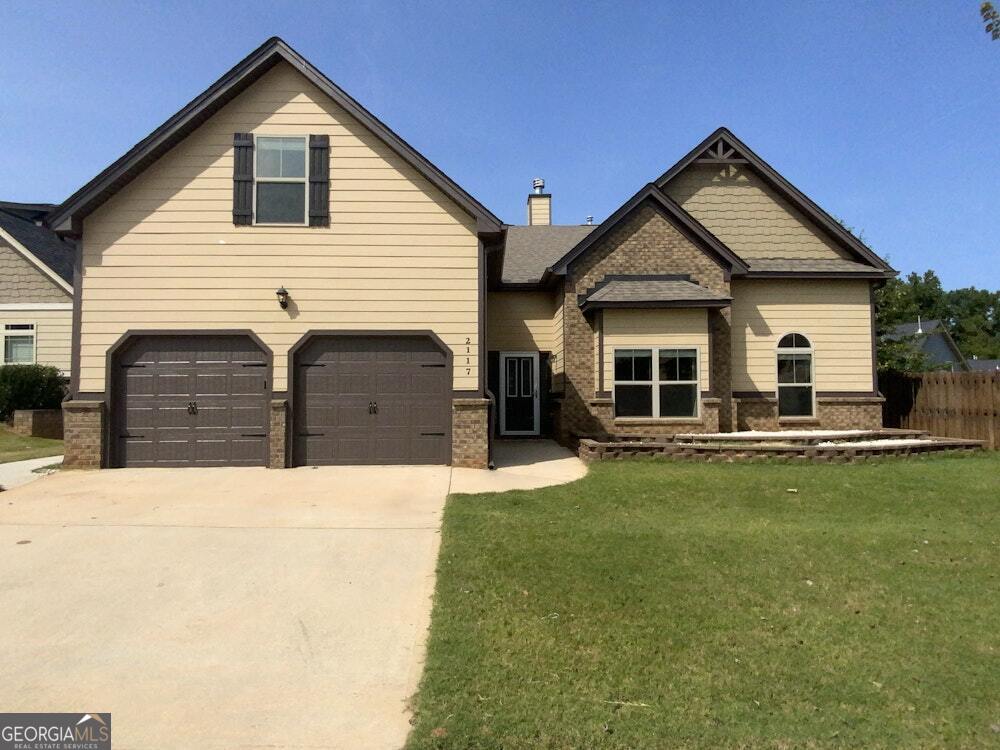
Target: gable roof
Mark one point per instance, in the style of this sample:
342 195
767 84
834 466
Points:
66 218
932 338
528 251
39 245
676 215
722 147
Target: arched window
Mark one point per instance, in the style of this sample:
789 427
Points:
795 376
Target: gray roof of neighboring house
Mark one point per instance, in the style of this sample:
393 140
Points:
652 292
910 329
987 365
41 242
821 266
933 340
530 250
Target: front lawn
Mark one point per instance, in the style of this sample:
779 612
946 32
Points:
674 605
17 448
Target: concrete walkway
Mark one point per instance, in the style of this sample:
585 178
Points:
521 465
16 473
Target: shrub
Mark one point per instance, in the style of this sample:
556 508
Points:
29 387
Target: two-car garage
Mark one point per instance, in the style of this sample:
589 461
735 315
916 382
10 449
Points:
204 399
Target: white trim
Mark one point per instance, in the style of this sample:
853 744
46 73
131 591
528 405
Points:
504 356
654 382
289 180
31 258
30 306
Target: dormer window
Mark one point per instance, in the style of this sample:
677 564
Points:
281 178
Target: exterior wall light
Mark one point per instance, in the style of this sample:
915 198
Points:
282 294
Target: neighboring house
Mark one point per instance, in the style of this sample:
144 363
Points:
274 277
931 338
983 365
36 277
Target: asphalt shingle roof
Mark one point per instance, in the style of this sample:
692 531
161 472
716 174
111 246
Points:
651 291
530 250
810 265
41 242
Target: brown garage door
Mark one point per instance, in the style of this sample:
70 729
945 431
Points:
190 400
372 400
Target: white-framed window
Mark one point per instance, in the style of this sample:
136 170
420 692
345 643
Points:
281 179
796 394
19 344
658 383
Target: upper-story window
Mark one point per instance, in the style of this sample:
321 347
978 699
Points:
280 180
795 376
19 344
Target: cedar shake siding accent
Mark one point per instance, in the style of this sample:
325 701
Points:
22 282
164 252
739 208
834 315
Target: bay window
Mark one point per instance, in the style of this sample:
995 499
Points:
667 390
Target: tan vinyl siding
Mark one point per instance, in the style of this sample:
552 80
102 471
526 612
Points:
53 333
834 315
739 208
637 329
520 321
164 253
22 282
540 210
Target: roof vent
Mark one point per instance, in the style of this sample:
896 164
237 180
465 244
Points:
590 220
538 185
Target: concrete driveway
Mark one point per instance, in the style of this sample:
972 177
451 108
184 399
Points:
221 608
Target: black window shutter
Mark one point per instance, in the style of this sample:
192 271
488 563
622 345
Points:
243 178
319 180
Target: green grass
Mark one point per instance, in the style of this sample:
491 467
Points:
673 605
17 448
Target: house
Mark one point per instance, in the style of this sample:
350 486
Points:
274 277
983 365
37 286
931 338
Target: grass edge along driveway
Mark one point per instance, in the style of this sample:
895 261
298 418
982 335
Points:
657 604
19 448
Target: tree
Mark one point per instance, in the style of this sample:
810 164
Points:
992 20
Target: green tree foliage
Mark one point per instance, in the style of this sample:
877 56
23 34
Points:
992 20
971 315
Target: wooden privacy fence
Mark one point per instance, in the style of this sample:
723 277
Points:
946 404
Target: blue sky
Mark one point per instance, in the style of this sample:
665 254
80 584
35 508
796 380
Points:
886 114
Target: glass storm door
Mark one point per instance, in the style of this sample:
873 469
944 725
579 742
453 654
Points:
519 386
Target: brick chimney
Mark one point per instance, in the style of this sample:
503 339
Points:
539 204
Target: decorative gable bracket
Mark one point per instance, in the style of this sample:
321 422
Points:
721 152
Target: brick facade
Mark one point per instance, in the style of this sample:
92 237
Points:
832 413
45 423
646 243
470 433
83 434
277 451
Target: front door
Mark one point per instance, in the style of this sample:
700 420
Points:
519 386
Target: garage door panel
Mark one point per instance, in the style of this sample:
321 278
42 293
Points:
191 400
405 375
